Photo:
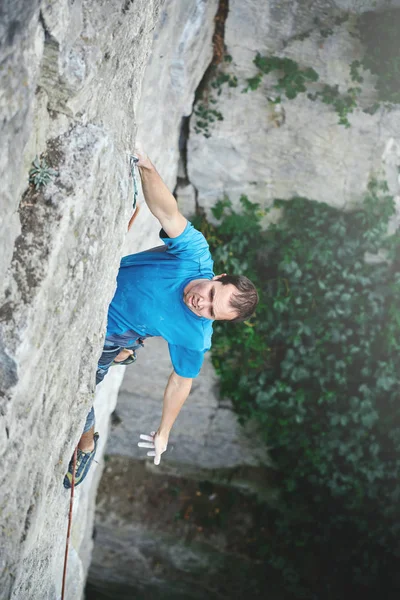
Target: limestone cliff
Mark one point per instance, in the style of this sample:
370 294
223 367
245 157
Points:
268 150
74 90
71 80
71 74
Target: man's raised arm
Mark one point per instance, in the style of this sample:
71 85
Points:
176 392
159 199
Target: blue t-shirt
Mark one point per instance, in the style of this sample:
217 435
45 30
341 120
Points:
149 298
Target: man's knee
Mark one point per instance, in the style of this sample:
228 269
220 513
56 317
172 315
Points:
108 355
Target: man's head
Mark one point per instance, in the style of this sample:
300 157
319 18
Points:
223 298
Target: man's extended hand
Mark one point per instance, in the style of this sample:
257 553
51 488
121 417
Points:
157 442
143 159
175 394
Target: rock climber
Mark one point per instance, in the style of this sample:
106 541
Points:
172 292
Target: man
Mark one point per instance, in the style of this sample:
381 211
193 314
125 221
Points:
172 292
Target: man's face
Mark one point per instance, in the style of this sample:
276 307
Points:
210 299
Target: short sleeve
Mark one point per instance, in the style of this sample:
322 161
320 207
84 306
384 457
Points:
186 363
190 244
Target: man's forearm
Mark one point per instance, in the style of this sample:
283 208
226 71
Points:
158 197
176 392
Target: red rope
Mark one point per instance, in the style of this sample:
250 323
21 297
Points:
133 217
71 503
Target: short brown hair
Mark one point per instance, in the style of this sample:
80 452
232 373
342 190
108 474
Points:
246 298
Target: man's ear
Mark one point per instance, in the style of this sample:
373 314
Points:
218 276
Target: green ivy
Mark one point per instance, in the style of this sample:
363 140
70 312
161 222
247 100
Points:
206 116
318 368
294 81
354 71
205 110
344 104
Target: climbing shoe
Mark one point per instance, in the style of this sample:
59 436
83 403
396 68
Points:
83 463
128 361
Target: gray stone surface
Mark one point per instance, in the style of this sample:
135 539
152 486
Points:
70 82
21 48
206 435
267 151
73 88
171 538
186 195
180 55
61 281
360 6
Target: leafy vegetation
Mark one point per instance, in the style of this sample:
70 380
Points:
41 174
205 110
344 104
294 81
318 368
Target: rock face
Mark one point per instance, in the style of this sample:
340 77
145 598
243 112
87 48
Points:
181 53
267 150
74 91
20 37
165 537
70 79
206 442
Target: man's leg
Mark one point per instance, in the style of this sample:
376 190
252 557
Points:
109 354
88 441
106 359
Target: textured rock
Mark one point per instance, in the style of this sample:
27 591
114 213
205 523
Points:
360 6
21 47
61 269
52 329
181 53
206 441
70 84
186 195
268 151
166 538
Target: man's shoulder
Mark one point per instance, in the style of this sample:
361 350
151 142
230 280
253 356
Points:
190 244
187 358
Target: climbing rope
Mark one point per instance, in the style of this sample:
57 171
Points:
133 160
71 503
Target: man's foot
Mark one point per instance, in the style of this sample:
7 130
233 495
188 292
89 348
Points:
125 357
83 463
